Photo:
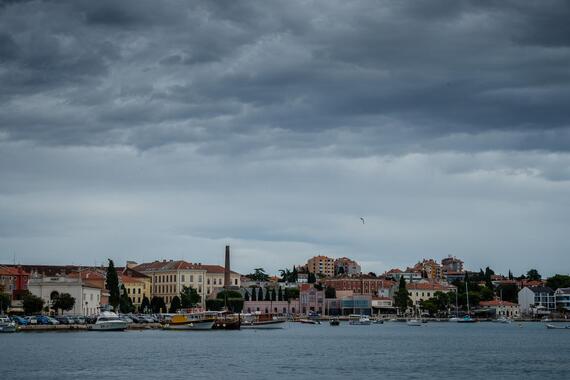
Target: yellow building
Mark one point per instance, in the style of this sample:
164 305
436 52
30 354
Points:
321 265
422 291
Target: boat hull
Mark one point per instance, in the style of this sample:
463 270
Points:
265 325
8 329
109 326
554 327
193 325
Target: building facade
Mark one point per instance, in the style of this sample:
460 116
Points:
87 297
422 291
536 300
344 265
363 284
452 264
562 298
502 308
322 265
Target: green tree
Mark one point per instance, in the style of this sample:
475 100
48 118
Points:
253 294
510 275
533 275
112 285
32 304
157 305
125 303
430 306
189 297
558 281
5 302
291 294
273 295
232 300
63 302
145 305
258 275
260 294
340 270
280 294
311 279
508 292
175 304
288 275
402 298
246 295
267 294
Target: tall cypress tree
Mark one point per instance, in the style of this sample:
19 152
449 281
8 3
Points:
260 294
280 294
246 295
273 295
112 285
253 294
402 297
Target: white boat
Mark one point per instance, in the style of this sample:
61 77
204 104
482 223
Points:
7 326
109 321
504 320
557 327
454 319
414 322
359 320
262 322
309 321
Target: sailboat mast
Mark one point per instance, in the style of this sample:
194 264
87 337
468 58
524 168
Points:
467 293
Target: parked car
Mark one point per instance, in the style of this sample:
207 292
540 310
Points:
65 320
42 320
32 320
20 320
126 318
79 320
136 319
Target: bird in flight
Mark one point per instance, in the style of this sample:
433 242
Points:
361 218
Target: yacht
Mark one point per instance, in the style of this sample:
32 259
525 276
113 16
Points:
7 325
109 321
414 322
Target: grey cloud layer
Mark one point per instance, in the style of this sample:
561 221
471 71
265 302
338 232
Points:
408 75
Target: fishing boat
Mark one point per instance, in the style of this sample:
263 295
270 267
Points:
378 321
359 320
504 320
194 321
414 322
556 327
262 322
7 325
108 321
225 321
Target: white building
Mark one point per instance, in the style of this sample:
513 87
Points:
537 300
87 297
562 296
502 308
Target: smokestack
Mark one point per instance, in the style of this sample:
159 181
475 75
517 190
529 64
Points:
227 268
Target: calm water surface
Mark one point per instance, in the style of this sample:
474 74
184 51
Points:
393 350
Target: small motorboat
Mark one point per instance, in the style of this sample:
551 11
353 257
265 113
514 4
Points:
334 322
359 320
309 321
504 320
557 327
378 321
414 322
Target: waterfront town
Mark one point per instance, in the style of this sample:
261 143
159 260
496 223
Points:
321 287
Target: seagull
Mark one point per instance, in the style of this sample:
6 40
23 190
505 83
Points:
361 218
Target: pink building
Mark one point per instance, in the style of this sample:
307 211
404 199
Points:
273 307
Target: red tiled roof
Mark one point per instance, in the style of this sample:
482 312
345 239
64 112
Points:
428 286
11 271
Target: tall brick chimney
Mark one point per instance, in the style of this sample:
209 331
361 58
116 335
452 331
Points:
227 272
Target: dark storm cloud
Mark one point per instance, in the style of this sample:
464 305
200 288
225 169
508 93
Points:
409 75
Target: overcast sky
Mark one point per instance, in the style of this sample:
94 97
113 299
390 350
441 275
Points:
142 130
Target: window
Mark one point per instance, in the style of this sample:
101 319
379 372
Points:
200 278
182 278
235 281
139 290
208 281
128 290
